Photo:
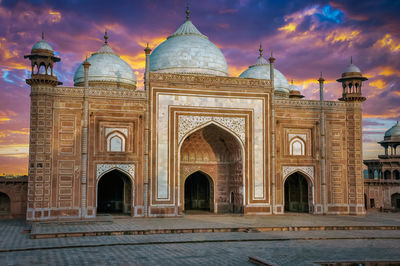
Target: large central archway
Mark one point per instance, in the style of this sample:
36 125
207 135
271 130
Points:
214 150
297 193
114 193
199 192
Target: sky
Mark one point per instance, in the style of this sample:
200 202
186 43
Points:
306 37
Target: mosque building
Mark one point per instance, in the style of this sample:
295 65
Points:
194 140
382 185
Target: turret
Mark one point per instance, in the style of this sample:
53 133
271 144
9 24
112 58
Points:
352 82
42 62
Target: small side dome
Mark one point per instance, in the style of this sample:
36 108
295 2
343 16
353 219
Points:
187 51
393 132
295 91
42 45
352 68
352 71
107 68
260 70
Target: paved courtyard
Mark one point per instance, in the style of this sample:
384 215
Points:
230 248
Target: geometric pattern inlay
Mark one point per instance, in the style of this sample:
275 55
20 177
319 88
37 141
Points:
309 170
103 167
186 123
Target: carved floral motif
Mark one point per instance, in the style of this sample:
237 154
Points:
127 168
309 170
187 123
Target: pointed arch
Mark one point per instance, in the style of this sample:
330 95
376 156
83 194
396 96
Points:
215 135
115 191
116 141
208 123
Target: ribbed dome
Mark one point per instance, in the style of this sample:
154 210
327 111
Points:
260 70
188 51
393 132
106 66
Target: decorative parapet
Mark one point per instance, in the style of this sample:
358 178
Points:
313 103
210 80
92 92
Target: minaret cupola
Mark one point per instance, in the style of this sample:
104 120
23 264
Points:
352 82
42 62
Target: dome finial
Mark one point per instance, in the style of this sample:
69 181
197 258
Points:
105 36
292 82
351 59
187 10
261 50
42 35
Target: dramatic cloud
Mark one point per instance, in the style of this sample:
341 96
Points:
305 37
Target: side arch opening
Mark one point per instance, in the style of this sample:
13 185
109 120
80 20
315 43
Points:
298 193
114 193
5 204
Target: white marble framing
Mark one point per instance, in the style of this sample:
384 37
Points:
103 168
186 123
165 100
288 170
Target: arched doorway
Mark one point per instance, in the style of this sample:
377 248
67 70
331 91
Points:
216 151
396 201
365 201
298 193
387 174
5 205
199 192
396 174
114 193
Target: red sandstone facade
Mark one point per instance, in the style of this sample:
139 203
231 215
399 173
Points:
189 142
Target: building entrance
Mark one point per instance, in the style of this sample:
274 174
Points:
198 192
4 203
396 201
114 193
296 193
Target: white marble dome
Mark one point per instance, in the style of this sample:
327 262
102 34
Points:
352 68
42 45
106 66
187 51
260 70
393 132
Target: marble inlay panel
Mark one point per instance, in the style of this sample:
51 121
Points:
164 100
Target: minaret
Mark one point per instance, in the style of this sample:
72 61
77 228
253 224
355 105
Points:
42 82
84 152
147 51
322 142
352 95
352 82
271 70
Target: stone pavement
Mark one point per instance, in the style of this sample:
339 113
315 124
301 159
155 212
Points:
216 223
231 248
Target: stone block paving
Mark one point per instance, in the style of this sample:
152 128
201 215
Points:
212 221
221 253
233 248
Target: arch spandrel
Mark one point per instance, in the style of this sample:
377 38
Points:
308 171
187 124
128 169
